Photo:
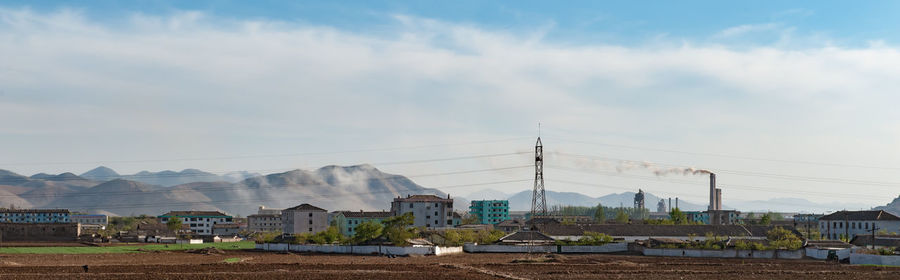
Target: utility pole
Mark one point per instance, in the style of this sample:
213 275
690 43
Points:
538 200
846 226
874 228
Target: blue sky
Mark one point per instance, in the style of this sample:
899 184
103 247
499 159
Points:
795 90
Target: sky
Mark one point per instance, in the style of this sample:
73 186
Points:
779 98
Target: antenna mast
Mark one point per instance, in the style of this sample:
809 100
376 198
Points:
538 200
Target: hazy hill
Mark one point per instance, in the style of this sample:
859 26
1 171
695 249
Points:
360 187
167 178
893 207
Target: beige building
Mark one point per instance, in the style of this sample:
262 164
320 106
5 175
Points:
266 219
430 211
304 218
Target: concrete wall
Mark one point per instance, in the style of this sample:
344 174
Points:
360 250
39 231
822 254
635 238
189 241
744 254
874 259
608 248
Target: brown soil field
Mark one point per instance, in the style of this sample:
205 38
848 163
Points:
268 265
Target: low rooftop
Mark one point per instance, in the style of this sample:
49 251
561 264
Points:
194 214
867 215
7 210
305 207
423 198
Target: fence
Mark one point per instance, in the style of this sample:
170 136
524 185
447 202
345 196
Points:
360 250
874 259
607 248
742 254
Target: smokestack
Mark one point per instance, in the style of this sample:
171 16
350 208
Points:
676 203
670 204
718 199
712 191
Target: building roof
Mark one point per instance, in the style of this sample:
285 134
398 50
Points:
823 244
305 207
264 216
34 210
511 223
456 215
194 214
526 236
655 230
365 214
880 240
423 198
87 215
868 215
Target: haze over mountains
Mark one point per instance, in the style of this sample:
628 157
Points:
360 187
332 187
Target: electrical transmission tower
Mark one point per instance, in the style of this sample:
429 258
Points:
538 200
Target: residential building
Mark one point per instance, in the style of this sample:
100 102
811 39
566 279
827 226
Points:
200 222
303 218
34 216
264 223
226 229
490 211
90 223
430 211
849 224
510 226
265 220
347 221
713 217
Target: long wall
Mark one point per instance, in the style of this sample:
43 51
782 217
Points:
874 259
608 248
361 250
742 254
39 232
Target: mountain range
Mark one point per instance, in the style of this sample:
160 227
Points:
360 187
166 178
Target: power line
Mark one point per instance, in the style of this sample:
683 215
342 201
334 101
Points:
269 155
734 156
240 185
246 201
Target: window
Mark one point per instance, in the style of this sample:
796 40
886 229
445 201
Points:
310 229
310 222
410 205
435 213
310 214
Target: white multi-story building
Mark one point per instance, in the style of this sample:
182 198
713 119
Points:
304 218
200 222
430 211
849 224
34 216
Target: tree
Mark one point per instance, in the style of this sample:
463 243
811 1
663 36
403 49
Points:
780 238
396 228
678 217
621 216
174 224
366 231
766 219
599 214
469 219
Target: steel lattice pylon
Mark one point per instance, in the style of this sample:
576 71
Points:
538 199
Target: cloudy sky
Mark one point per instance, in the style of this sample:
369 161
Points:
780 99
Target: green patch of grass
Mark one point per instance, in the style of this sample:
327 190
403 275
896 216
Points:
125 249
879 265
232 260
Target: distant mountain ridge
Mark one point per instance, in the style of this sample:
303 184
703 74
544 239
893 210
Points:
167 178
359 187
893 207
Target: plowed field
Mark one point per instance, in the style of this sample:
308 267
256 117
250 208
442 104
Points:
266 265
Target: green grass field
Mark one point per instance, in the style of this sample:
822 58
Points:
124 249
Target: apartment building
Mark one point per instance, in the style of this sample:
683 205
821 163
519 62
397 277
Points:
35 216
490 212
430 211
849 224
347 221
200 222
303 218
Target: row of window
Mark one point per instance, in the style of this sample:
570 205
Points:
853 225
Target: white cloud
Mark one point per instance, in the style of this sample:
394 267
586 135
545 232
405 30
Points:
196 85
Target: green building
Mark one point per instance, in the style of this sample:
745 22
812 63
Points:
347 221
490 211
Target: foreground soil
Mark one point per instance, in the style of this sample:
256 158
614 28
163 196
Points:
266 265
